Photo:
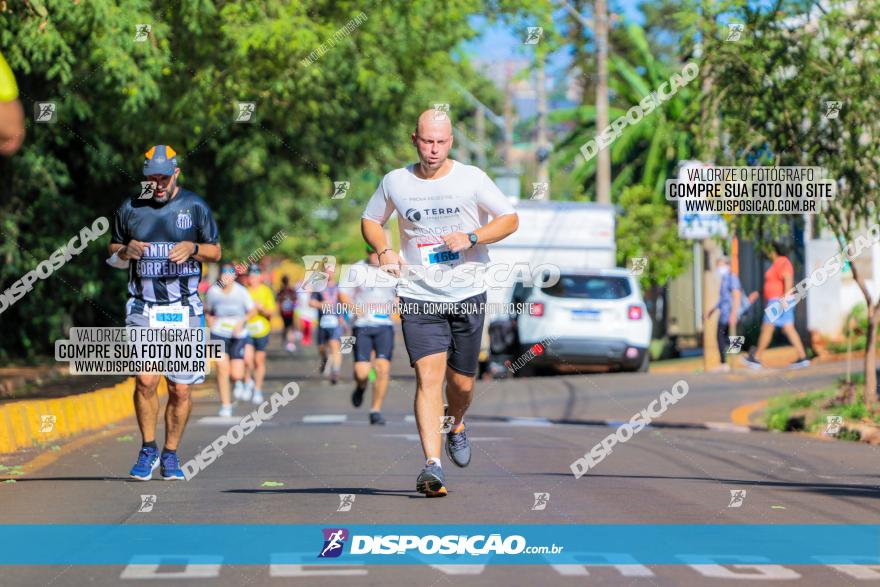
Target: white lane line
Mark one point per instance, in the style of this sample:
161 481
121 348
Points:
218 421
415 437
409 418
325 419
727 427
529 422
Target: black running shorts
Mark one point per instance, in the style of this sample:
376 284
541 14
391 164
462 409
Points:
373 338
427 331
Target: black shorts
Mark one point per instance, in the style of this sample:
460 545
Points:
458 335
259 343
288 320
234 346
373 338
325 335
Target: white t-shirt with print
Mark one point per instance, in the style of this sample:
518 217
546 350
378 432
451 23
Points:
375 301
427 209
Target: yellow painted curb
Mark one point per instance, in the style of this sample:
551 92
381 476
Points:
742 414
22 425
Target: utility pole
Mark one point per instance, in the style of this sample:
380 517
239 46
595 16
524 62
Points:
543 146
603 163
508 119
480 123
599 27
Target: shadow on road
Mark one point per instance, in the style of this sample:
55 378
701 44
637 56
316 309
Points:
832 489
334 490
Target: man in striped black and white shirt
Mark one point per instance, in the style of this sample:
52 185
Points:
164 235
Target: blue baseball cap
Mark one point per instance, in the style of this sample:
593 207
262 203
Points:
160 160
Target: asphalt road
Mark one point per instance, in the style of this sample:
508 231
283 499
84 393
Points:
525 434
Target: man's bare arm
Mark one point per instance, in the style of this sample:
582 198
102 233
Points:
500 228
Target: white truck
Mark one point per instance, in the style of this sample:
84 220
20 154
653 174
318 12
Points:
594 314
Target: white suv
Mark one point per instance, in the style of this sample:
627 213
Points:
594 317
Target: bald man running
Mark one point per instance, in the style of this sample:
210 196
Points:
443 209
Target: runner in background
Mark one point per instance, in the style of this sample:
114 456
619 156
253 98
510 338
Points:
229 307
373 331
306 315
330 326
11 112
286 300
259 329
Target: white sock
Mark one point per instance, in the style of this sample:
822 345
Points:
436 461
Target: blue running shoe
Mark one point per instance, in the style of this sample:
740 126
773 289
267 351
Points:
458 447
148 460
171 467
431 481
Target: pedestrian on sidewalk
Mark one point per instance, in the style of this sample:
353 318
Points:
731 307
778 280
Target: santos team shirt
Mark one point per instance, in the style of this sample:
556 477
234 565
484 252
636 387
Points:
153 278
428 209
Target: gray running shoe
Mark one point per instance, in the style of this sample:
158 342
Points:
431 481
458 447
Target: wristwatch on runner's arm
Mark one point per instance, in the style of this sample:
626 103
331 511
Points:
473 238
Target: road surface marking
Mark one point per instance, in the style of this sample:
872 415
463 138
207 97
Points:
529 422
415 437
325 419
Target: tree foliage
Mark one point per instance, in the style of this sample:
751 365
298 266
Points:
346 115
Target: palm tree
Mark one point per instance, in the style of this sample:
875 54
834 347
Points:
648 151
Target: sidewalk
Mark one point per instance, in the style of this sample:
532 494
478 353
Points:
777 357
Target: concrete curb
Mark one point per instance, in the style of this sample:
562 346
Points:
20 421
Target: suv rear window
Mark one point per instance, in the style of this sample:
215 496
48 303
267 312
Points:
592 287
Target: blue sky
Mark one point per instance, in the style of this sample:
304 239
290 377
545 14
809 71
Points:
502 40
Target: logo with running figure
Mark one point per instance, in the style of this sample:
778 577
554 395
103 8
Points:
318 270
334 542
246 112
441 112
340 188
346 344
541 501
142 32
148 188
736 344
184 220
346 500
832 109
45 112
737 497
533 35
47 422
735 30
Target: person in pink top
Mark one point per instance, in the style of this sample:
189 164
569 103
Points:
778 280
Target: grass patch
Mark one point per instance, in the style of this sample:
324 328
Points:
782 409
810 411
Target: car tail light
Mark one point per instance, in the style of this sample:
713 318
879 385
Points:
635 312
536 309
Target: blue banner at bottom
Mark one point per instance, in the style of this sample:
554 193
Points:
407 544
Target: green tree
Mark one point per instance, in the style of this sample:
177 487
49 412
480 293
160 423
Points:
337 86
773 86
648 151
